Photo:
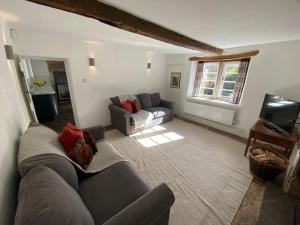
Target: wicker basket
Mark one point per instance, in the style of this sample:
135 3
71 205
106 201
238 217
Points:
265 163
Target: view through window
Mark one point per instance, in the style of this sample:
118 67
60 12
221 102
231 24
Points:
221 80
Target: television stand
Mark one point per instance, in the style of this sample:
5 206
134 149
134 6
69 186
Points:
260 132
274 129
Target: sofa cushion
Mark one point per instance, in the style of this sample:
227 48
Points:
56 162
115 100
108 192
155 99
40 145
142 119
159 111
45 198
145 100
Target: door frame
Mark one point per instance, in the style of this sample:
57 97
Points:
69 79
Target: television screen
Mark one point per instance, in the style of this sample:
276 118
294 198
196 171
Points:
280 113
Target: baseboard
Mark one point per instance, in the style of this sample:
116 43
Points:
230 135
108 127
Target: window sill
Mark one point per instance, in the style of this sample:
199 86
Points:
214 102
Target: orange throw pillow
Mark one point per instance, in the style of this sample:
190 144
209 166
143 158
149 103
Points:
127 106
136 107
69 136
82 154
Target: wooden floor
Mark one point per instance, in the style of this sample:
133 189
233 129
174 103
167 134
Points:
65 115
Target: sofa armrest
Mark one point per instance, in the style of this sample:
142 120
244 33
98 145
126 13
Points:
120 118
146 210
97 132
167 104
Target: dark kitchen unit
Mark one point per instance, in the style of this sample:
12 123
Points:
45 107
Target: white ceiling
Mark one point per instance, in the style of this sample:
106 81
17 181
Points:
223 23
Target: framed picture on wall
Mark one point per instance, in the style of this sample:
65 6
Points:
175 80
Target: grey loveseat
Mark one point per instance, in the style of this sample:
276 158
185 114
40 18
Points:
154 111
52 192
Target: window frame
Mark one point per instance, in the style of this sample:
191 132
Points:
219 82
207 80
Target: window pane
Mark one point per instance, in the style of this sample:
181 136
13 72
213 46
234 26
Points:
227 93
206 91
209 84
210 76
211 67
230 77
228 85
209 79
232 69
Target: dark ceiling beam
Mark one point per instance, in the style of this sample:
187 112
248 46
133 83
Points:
118 18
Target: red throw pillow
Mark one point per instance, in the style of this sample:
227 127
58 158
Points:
127 106
69 136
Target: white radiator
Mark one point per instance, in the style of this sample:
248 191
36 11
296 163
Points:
214 113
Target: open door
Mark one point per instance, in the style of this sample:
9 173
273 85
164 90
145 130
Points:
25 74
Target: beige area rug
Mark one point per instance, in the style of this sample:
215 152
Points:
206 171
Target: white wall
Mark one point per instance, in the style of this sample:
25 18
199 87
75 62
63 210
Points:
120 69
275 70
14 120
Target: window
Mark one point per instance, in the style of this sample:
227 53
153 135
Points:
228 80
209 79
221 80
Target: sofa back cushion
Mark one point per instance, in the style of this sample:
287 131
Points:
56 162
117 100
145 100
45 198
155 99
43 142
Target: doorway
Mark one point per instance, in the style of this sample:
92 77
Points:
47 84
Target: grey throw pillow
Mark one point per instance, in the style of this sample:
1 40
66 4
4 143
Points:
115 100
145 100
45 198
155 98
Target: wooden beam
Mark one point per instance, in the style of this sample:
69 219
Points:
117 18
220 58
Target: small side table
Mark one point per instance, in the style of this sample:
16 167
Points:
260 132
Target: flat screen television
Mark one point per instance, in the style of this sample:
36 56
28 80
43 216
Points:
279 113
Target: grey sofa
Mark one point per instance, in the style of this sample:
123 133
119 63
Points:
161 111
52 191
